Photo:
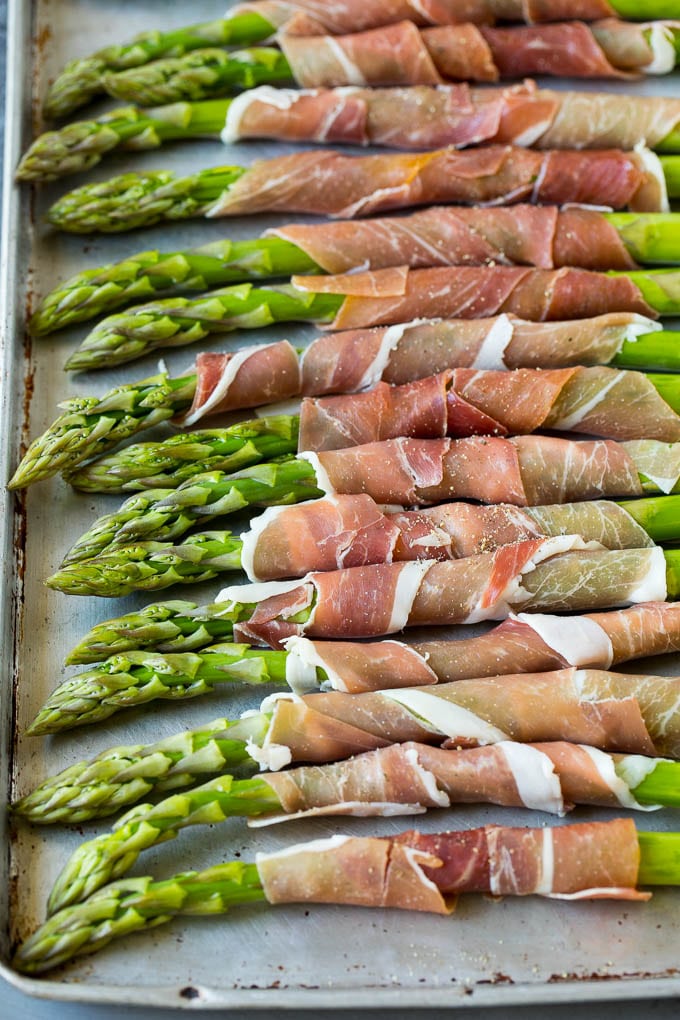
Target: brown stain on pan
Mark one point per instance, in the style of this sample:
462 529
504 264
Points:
633 975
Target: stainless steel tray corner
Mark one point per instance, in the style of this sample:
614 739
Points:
488 954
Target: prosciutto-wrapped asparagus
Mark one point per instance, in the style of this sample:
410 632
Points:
544 237
412 870
403 779
416 117
524 471
465 401
527 642
382 297
347 531
331 184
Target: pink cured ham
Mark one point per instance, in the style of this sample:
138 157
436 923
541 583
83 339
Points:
400 54
388 296
328 183
423 117
348 531
526 470
520 235
527 643
616 712
342 16
358 359
544 575
417 871
462 402
413 776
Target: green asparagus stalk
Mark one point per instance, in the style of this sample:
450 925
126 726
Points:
80 146
139 904
176 626
139 277
175 322
168 513
83 79
136 678
173 461
112 854
90 425
120 776
650 238
201 74
153 566
132 200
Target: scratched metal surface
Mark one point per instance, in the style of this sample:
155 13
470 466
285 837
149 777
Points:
489 953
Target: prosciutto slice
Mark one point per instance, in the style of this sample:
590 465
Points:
524 643
401 54
412 777
627 713
416 871
329 184
341 16
358 359
521 235
526 470
396 295
349 531
425 116
549 574
463 401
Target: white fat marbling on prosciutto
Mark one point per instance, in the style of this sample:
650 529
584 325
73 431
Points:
514 594
639 324
269 755
253 536
389 342
352 71
259 590
653 587
534 773
428 780
317 846
569 422
282 99
229 373
633 768
580 641
355 808
323 482
612 776
445 717
660 39
409 581
491 355
652 164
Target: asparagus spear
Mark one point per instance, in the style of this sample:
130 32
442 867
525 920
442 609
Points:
81 145
112 854
169 513
160 514
176 322
650 238
90 426
177 626
83 79
135 200
68 441
152 565
138 904
135 678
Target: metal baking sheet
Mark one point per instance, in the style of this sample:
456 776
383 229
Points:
488 953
